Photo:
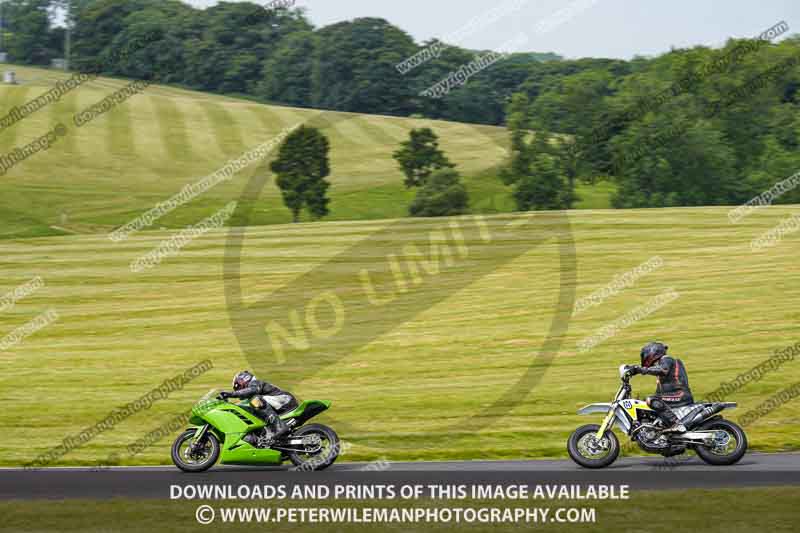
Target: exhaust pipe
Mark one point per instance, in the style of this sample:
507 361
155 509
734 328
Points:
706 413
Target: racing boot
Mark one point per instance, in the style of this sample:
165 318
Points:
672 423
274 429
278 427
675 428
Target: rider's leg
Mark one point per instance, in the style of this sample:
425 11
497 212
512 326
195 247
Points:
665 413
268 411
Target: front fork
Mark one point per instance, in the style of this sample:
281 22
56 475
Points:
198 437
608 423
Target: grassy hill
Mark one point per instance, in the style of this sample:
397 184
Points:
471 333
104 174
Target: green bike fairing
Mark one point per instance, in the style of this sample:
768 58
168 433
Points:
230 423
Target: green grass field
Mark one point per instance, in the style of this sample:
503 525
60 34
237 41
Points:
471 333
102 175
746 509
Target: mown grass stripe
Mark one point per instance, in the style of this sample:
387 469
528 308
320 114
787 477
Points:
12 96
271 121
119 130
172 128
225 128
62 112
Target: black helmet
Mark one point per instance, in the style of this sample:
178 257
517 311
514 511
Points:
652 352
242 380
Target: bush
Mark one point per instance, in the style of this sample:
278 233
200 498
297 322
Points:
442 195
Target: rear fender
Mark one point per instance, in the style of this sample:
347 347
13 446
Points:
710 419
306 411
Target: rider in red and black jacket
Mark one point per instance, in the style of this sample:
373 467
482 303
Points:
672 389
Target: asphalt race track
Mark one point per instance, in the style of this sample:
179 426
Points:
638 472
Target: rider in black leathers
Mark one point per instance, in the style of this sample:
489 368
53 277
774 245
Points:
672 389
267 401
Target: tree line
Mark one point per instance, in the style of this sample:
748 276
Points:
693 126
688 128
273 55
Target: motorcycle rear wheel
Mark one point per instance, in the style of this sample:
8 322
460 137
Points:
723 457
322 459
581 443
210 452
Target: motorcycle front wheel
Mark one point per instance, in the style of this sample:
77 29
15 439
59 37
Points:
198 460
589 452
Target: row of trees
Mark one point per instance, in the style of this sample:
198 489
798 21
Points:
669 131
275 55
27 34
719 139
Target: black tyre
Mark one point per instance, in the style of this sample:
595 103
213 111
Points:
587 451
198 460
728 453
324 452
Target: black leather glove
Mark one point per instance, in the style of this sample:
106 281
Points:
224 395
634 370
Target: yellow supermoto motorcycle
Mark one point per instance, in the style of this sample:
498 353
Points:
717 441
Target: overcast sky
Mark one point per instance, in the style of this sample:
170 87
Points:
572 28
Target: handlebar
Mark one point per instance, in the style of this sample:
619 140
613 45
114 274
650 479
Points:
625 373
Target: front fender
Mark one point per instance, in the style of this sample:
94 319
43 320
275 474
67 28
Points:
595 408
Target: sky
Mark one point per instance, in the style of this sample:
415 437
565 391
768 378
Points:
571 28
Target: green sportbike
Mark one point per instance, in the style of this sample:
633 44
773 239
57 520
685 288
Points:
233 435
715 440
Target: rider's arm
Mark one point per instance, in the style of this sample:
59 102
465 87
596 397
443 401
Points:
244 393
661 368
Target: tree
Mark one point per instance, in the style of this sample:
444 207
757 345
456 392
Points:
234 42
29 37
697 167
354 67
420 156
287 74
116 37
777 163
541 170
543 187
442 195
302 165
